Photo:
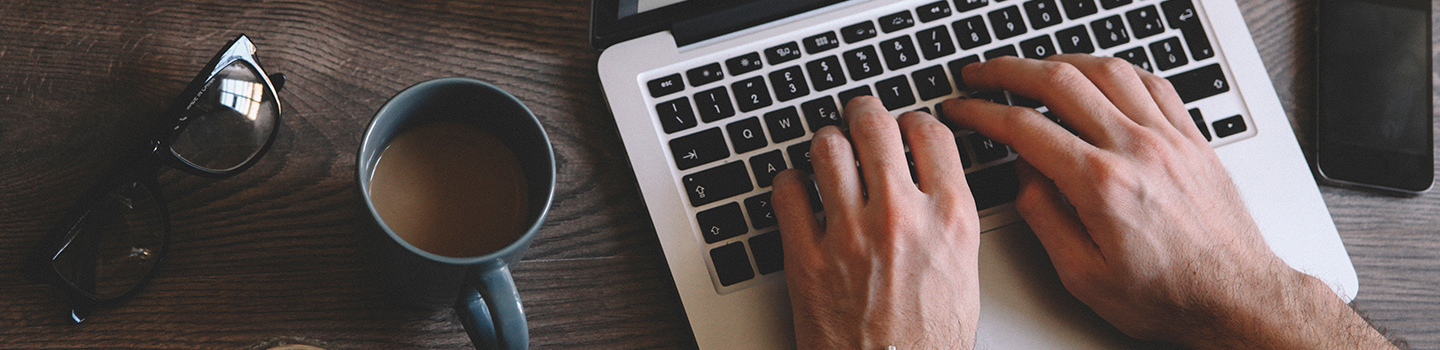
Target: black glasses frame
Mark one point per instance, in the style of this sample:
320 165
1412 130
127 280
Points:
142 165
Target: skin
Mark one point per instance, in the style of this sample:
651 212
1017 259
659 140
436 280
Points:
1137 213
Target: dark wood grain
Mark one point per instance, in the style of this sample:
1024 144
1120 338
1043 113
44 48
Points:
272 252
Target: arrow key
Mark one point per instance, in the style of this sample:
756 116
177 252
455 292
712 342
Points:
699 148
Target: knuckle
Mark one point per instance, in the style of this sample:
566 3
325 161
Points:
874 120
1061 74
829 145
929 131
1115 67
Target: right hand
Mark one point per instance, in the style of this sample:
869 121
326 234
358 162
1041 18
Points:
1139 216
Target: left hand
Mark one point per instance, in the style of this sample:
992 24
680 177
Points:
895 263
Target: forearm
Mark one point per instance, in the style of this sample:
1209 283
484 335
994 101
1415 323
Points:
1305 314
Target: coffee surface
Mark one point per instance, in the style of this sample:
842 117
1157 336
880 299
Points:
450 189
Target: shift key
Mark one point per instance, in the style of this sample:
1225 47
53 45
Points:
1200 83
717 183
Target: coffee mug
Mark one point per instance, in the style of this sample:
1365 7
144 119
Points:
477 284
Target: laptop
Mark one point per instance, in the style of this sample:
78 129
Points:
712 98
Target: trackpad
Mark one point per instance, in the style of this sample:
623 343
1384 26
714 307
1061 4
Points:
1024 306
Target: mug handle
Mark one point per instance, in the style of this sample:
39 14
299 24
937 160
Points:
491 313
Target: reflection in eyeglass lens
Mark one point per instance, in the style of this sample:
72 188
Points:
236 115
242 96
116 244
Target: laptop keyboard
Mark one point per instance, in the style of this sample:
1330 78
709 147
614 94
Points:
734 122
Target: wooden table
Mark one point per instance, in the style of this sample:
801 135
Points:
273 252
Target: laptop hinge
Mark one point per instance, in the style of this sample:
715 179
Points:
738 18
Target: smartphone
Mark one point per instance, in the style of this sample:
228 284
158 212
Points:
1374 116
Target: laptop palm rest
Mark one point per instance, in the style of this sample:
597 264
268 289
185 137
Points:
1023 305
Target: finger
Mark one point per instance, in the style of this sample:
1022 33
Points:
1047 145
835 174
1061 87
878 146
799 232
937 157
1116 78
1169 102
1053 220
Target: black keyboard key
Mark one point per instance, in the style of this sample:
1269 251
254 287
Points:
751 94
825 73
675 115
847 95
1110 32
1007 50
1038 48
821 112
1075 40
746 135
1007 22
1180 13
1229 126
995 96
1200 83
967 5
784 125
994 186
762 212
821 43
935 42
1075 9
800 156
746 63
766 165
932 83
964 157
933 11
769 254
714 184
957 65
1138 57
1043 13
895 92
699 148
896 21
971 32
714 104
1198 42
899 52
1145 21
705 74
987 150
783 53
863 63
722 222
1200 123
1168 54
789 83
732 264
1023 101
664 86
858 32
1110 4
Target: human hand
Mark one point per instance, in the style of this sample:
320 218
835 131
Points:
1138 215
895 263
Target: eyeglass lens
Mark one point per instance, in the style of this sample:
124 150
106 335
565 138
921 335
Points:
238 115
115 244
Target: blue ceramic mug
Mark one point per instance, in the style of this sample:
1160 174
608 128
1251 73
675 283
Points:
480 288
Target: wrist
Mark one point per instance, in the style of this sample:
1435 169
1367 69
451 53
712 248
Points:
1299 312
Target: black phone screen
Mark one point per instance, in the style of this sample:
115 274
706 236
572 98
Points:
1374 103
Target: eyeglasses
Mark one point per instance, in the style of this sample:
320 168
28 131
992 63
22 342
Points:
111 242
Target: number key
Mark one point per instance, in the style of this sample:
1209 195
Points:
714 104
863 63
899 52
751 94
971 32
789 83
1043 13
935 42
1007 22
825 73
